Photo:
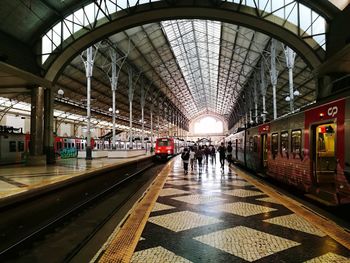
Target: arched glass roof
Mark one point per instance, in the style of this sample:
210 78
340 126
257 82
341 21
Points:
310 23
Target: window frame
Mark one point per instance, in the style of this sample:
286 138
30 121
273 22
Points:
12 146
20 146
292 151
274 151
284 153
255 143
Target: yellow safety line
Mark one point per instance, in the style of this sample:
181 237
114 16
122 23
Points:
329 227
123 245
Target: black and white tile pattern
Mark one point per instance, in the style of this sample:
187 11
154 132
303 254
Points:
210 216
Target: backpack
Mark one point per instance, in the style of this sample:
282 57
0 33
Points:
185 156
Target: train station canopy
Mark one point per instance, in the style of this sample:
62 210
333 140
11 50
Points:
189 65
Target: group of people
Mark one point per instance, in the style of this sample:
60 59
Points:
198 153
195 154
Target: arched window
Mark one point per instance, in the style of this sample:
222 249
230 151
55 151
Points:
208 125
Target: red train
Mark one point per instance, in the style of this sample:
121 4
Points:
309 150
167 147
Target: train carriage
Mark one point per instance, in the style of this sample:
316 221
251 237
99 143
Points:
12 148
309 150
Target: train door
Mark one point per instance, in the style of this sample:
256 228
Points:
325 159
263 152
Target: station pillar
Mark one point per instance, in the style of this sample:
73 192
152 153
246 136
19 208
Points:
36 155
48 126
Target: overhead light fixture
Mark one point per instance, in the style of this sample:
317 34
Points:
110 109
117 111
60 92
287 98
296 93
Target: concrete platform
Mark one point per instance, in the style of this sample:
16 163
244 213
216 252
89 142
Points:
212 215
94 154
126 153
19 179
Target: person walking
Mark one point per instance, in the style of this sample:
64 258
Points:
229 153
222 152
207 153
192 157
185 156
213 154
199 157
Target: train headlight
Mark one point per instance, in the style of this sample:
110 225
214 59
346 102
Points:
169 152
158 151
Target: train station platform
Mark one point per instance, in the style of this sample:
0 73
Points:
212 215
18 179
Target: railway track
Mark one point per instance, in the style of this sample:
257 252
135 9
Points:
77 232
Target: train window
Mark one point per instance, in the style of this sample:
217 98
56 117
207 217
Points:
65 145
12 146
296 143
256 139
163 143
240 144
326 138
20 146
274 145
251 143
284 144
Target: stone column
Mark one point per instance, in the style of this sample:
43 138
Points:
48 126
36 155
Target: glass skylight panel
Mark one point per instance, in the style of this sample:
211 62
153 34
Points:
196 45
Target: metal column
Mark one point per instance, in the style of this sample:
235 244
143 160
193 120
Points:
114 83
151 111
131 96
158 116
256 101
89 64
274 75
263 90
142 101
290 58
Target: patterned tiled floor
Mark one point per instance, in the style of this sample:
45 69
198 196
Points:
210 216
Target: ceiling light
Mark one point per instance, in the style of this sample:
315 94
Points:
287 98
296 93
60 92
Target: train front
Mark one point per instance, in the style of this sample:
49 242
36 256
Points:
164 148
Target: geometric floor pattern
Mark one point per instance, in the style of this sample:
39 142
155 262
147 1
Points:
243 209
198 199
184 220
297 223
160 207
246 243
214 216
157 254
